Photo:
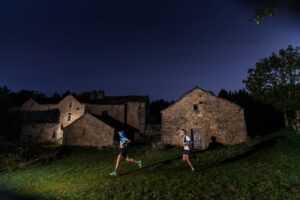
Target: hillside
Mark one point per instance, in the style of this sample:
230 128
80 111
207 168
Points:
263 168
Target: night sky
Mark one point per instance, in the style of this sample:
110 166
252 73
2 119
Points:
156 48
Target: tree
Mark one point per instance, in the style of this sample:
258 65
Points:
267 8
154 116
276 81
6 102
261 119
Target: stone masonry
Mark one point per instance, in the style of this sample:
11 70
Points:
205 117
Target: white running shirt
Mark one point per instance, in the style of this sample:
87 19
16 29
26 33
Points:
187 140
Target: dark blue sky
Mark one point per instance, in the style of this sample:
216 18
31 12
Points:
157 48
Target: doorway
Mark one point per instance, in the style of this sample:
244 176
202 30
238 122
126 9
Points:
198 139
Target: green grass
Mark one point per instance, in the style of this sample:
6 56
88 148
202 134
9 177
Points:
263 168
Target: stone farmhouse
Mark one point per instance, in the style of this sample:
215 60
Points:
206 118
90 123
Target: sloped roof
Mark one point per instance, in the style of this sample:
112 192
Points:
109 100
118 100
47 100
118 125
198 88
47 116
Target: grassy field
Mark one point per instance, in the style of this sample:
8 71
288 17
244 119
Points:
263 168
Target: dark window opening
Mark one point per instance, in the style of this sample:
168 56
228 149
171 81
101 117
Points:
69 116
201 102
195 107
78 108
54 135
70 105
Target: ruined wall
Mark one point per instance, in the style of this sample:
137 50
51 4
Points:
136 115
88 131
70 110
41 133
215 117
153 130
31 105
115 111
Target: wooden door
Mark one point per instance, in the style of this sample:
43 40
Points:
198 139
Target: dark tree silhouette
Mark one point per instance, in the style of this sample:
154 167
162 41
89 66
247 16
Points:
155 107
267 8
260 119
276 81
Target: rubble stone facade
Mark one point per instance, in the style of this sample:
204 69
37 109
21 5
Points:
42 133
89 131
128 112
206 118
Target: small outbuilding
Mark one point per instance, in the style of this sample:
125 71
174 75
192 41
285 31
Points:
41 127
89 130
206 118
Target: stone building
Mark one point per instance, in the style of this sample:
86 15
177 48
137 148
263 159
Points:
99 113
206 118
130 110
96 130
89 131
70 109
41 126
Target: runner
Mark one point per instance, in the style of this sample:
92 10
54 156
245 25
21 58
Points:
124 141
186 142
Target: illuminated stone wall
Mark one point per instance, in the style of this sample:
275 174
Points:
215 117
70 110
88 131
41 133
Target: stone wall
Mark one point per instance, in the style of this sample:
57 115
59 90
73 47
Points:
153 129
70 110
32 105
89 131
199 110
136 115
41 133
115 111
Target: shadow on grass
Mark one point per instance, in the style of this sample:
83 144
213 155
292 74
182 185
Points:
267 144
11 196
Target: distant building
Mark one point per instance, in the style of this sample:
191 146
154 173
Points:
41 126
89 123
89 130
206 118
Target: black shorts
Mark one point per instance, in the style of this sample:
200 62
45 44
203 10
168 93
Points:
186 152
123 152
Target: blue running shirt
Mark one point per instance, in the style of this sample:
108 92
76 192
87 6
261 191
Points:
123 138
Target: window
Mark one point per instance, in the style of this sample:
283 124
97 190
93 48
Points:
78 108
195 107
70 105
54 135
69 116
